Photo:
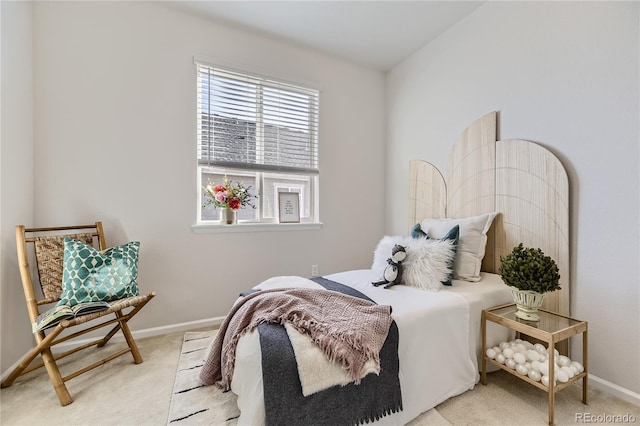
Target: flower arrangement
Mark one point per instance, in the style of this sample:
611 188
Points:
231 195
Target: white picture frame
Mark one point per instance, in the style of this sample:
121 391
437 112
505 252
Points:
288 207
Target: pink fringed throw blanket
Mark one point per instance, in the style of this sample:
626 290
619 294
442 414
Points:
349 330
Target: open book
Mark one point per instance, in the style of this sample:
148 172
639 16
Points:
56 314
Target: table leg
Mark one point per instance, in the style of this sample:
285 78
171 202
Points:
552 379
484 349
585 364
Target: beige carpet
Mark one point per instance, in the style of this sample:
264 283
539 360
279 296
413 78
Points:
117 393
122 393
507 400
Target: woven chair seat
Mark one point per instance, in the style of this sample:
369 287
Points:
115 306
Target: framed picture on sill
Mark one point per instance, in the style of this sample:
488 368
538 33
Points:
289 207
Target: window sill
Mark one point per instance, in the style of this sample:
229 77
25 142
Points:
254 227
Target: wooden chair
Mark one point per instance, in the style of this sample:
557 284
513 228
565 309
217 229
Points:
46 246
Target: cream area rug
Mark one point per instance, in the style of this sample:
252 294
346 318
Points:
191 402
194 404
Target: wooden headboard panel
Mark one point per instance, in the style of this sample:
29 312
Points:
521 180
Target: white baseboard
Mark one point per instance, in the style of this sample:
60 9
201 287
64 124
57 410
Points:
137 334
174 328
615 390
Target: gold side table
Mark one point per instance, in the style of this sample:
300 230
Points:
551 329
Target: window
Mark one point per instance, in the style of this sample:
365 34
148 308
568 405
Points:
261 132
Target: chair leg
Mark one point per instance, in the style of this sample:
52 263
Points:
17 371
109 335
49 360
21 368
117 328
52 370
56 378
137 358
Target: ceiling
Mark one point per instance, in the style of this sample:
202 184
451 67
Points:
375 34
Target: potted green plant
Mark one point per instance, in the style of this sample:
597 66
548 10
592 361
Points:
530 274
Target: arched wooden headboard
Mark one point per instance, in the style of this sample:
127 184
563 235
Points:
521 180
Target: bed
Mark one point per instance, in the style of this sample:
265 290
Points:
504 193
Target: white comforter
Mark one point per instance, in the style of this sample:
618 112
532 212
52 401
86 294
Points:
438 348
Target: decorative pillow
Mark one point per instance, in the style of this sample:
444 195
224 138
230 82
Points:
471 243
417 232
427 263
90 275
453 235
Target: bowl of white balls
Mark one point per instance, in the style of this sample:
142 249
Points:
533 361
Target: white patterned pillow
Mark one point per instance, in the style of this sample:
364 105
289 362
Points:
472 242
427 263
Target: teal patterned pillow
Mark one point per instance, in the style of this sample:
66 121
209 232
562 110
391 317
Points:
90 275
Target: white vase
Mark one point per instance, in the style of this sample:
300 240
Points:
227 216
527 303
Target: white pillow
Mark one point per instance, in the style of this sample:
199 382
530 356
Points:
471 244
426 265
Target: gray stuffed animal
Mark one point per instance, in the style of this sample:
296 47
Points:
392 274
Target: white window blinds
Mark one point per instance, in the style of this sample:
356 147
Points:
252 122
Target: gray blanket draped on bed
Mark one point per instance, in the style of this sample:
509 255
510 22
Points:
375 397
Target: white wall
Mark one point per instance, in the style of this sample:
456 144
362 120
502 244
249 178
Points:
114 132
16 170
565 75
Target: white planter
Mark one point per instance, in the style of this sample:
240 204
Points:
527 302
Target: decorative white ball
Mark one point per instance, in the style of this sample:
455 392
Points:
508 352
543 357
533 355
500 358
563 361
520 347
510 363
539 347
528 344
544 368
567 370
562 376
545 380
522 369
491 353
534 375
536 365
504 345
519 358
578 366
574 369
497 349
